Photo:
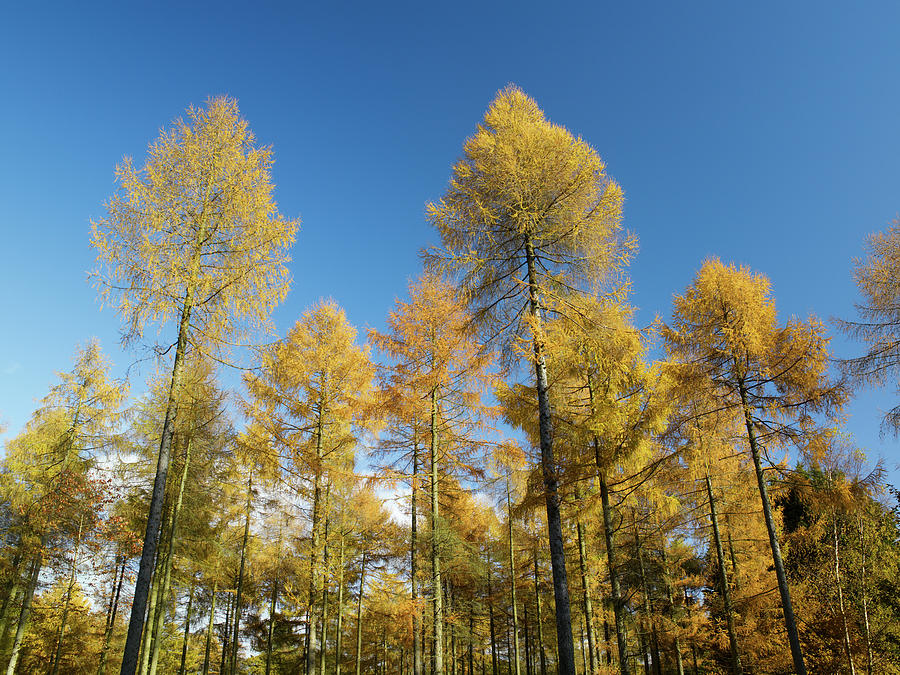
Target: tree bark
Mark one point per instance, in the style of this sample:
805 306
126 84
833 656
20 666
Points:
736 666
111 618
210 625
490 601
540 618
840 592
359 603
25 612
187 630
151 535
312 652
512 584
586 597
565 643
272 609
418 665
790 621
436 584
240 580
615 593
339 637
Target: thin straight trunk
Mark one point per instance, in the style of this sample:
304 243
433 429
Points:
581 640
15 588
735 579
865 601
226 634
418 666
585 586
508 645
512 583
471 639
25 612
339 637
187 629
642 639
154 517
359 602
149 623
452 633
68 601
527 639
565 645
615 593
736 666
272 609
324 631
170 557
240 580
540 618
676 642
210 625
490 600
111 619
645 587
790 621
438 667
840 592
312 638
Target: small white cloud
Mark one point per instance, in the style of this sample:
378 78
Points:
11 368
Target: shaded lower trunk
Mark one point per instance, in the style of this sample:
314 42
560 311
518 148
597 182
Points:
111 617
235 642
187 630
615 593
25 612
359 604
68 601
209 627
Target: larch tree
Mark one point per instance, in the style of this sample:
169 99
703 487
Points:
195 238
307 399
530 218
878 279
726 336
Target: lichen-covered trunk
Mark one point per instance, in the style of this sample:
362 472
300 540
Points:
565 642
787 607
736 666
132 649
25 612
163 596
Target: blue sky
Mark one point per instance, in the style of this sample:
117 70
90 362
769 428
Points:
765 134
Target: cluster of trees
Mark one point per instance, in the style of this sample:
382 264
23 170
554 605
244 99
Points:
512 478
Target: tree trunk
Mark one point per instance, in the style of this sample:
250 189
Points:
359 602
324 631
170 557
540 617
585 586
566 647
226 634
151 535
418 665
840 592
25 612
490 600
736 666
240 581
111 619
312 638
339 637
512 584
676 642
15 588
209 627
149 623
527 638
615 593
864 593
68 601
272 608
645 587
790 621
187 630
436 584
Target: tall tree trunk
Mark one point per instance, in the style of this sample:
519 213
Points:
25 612
586 589
864 593
187 630
324 631
149 623
540 617
790 621
418 665
736 666
512 584
527 638
436 584
490 600
615 593
111 618
226 634
151 535
840 592
235 642
670 597
162 599
68 601
565 644
471 637
210 625
339 637
312 638
645 588
13 591
271 630
359 602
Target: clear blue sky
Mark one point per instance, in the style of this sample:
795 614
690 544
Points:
767 134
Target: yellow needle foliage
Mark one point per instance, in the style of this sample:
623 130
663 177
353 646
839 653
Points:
526 182
196 226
